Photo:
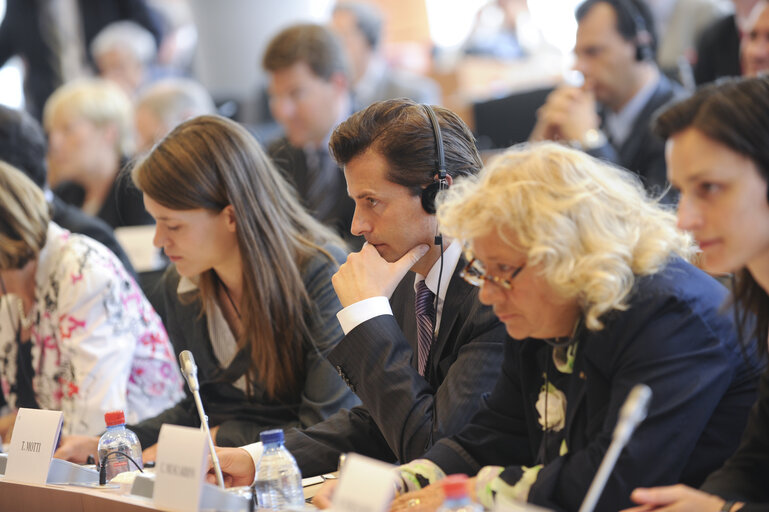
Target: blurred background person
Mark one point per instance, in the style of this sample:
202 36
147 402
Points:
495 32
359 27
76 332
609 115
680 24
591 279
309 91
718 49
754 44
719 159
90 137
164 105
125 53
54 36
249 292
23 145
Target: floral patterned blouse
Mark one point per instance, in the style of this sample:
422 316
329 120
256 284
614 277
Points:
96 342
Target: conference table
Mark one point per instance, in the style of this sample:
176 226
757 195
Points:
20 497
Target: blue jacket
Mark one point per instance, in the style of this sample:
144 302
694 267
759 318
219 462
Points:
676 338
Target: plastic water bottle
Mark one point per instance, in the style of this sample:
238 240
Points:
278 479
117 438
457 500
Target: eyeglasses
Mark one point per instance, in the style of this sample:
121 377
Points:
475 274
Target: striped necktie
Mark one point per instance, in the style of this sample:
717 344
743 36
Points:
425 324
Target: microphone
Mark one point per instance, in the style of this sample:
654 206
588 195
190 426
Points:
631 414
190 372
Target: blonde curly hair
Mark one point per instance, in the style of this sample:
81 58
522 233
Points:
590 225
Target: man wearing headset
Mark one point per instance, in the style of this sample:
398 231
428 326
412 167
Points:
418 383
609 116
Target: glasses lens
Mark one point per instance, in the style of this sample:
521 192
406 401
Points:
473 273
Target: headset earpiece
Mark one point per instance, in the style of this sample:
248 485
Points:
430 192
642 39
643 49
428 196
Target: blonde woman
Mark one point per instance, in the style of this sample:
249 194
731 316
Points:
591 280
89 124
76 332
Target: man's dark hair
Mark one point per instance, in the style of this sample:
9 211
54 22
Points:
368 19
735 113
312 44
634 18
23 144
401 132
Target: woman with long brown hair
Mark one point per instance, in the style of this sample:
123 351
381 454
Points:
249 291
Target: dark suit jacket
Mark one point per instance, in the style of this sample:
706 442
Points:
643 152
293 162
676 339
21 34
744 476
403 413
74 220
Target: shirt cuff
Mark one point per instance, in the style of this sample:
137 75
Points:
355 314
255 451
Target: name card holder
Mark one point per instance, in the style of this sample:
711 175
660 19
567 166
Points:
182 463
366 485
32 445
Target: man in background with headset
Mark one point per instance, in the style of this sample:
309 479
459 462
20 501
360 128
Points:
609 117
417 383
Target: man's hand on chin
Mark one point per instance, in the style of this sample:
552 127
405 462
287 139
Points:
366 274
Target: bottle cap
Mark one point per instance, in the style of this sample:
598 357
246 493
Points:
271 436
455 486
113 418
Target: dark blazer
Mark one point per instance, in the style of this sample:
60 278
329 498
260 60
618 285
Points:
293 163
241 418
744 476
74 220
643 152
403 413
676 339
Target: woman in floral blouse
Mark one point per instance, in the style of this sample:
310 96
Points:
76 332
590 278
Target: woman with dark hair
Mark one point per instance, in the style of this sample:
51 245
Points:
718 157
250 290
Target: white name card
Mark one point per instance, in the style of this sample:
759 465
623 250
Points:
181 465
35 433
367 485
503 504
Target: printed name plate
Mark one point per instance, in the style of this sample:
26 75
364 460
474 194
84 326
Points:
366 485
181 467
35 433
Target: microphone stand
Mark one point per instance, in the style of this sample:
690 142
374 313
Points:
632 413
190 371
